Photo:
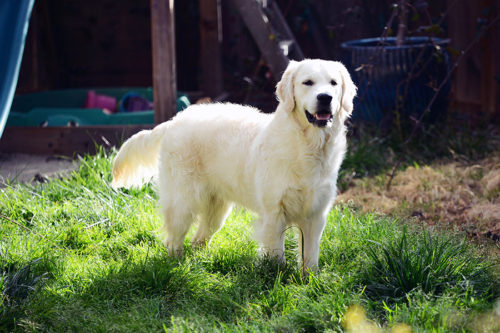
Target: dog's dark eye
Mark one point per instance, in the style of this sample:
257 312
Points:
308 83
333 82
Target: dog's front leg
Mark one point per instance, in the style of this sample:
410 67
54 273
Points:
271 234
309 242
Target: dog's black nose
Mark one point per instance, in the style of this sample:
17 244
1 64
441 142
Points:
324 98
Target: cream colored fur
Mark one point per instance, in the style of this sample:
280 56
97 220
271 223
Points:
279 165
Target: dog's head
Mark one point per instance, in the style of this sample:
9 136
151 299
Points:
320 91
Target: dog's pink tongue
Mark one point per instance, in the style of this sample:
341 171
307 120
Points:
325 116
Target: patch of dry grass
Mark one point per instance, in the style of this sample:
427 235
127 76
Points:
465 196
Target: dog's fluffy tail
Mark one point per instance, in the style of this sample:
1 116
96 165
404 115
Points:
137 159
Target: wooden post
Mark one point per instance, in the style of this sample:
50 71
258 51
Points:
488 87
164 69
210 47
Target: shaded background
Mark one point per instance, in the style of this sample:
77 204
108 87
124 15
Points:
107 43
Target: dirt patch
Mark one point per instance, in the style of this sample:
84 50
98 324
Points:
22 168
464 196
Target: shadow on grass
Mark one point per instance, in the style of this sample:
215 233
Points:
147 295
17 284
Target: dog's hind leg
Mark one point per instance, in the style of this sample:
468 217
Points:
179 197
177 220
214 212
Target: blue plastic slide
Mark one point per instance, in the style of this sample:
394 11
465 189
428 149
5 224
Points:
14 22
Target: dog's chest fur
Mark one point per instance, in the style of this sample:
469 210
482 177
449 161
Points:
310 186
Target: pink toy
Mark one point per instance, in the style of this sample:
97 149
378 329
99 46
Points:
96 101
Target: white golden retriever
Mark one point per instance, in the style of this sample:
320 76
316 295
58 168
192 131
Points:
283 166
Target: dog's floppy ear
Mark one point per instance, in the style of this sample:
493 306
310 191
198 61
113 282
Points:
348 91
284 88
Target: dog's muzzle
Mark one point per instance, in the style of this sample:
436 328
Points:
323 113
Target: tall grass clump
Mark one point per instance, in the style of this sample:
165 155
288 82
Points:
426 262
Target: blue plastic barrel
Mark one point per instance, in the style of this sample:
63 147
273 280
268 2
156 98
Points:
397 78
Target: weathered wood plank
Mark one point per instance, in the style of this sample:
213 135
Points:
474 85
210 47
488 86
164 61
66 141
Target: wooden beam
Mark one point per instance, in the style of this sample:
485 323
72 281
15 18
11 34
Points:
66 141
210 47
164 64
258 24
488 86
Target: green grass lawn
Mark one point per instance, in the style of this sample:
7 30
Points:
76 255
